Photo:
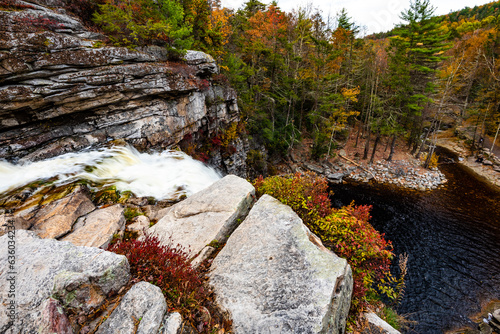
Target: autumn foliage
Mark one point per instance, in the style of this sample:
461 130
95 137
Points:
345 231
168 267
145 22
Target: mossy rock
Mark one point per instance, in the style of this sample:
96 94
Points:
105 196
131 212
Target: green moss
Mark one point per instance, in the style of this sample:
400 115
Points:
391 317
124 196
131 213
214 243
107 195
69 298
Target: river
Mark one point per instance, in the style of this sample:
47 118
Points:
452 237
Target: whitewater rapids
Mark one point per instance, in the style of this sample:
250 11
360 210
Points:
164 175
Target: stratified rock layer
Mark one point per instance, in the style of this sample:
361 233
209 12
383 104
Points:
60 90
46 268
275 276
209 215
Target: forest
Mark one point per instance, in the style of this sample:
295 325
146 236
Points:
301 75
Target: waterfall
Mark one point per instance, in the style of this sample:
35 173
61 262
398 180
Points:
162 175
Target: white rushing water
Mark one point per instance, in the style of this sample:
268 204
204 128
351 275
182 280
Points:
165 175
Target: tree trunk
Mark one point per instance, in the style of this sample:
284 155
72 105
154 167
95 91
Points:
425 139
377 139
387 144
393 144
359 130
367 146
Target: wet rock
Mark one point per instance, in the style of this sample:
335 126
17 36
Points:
209 215
275 276
378 326
485 328
140 311
334 177
42 262
98 227
57 218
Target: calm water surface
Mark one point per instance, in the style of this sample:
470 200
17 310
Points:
452 236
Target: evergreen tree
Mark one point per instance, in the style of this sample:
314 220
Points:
419 45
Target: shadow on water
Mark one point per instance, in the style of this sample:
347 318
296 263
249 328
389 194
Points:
452 236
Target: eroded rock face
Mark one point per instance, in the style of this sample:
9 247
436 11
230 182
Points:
209 215
140 311
275 276
60 90
47 268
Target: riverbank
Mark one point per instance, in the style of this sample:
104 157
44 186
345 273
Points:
346 164
488 170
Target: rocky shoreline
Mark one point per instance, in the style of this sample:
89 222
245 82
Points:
488 170
402 173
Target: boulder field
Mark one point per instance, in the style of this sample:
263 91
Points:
272 276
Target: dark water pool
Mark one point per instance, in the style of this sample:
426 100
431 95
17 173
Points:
452 236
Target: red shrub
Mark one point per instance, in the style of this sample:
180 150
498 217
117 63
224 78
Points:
14 4
203 84
201 156
216 141
165 266
40 23
168 268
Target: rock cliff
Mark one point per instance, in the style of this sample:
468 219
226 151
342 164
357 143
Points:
61 90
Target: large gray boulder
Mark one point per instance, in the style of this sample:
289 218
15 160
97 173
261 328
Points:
209 215
44 268
141 311
275 276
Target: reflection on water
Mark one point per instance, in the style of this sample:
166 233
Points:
452 236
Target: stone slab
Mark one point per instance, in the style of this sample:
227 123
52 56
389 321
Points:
98 227
57 218
140 311
275 276
211 214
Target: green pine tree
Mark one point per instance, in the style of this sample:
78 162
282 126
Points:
416 52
